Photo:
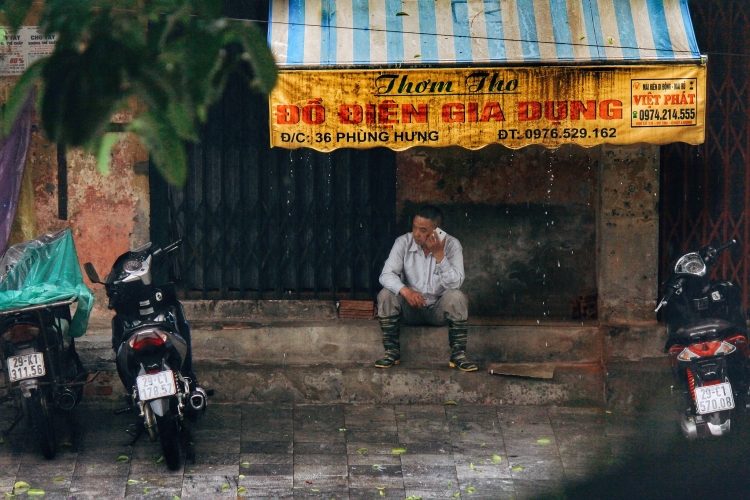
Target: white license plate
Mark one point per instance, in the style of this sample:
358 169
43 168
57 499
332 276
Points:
156 385
26 366
713 398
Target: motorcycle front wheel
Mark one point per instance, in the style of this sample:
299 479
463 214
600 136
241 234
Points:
43 423
169 435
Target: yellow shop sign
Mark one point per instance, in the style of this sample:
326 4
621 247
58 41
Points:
474 107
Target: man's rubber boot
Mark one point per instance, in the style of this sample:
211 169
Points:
457 337
390 328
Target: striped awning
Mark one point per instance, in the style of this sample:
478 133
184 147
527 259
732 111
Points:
366 33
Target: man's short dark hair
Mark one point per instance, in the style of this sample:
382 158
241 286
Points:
433 213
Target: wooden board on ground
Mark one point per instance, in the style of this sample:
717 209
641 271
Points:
529 370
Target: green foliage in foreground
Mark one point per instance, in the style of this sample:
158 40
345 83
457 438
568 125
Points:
174 56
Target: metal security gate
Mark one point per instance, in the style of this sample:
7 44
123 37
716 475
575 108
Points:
270 223
705 190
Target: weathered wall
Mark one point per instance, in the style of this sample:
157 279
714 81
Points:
628 235
526 220
108 214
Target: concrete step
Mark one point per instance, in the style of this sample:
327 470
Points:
639 386
330 360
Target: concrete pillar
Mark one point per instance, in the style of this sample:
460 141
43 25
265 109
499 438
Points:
628 236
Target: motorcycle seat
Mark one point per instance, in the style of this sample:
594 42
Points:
703 330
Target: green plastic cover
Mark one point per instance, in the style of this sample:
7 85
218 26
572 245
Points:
42 271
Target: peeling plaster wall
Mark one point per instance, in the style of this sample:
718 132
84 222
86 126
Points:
526 220
108 214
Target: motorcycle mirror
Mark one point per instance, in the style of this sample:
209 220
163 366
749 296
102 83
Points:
91 272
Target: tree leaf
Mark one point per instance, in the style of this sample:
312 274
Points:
241 489
103 158
224 487
398 451
123 458
450 403
361 451
14 12
496 459
165 146
19 485
35 492
402 13
133 481
258 55
543 441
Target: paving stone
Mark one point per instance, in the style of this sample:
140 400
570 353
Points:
101 464
377 475
322 493
487 489
155 487
209 486
374 493
313 448
378 436
266 493
429 476
91 487
352 448
266 447
287 452
438 492
320 436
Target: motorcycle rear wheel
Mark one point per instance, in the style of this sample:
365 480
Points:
169 435
43 423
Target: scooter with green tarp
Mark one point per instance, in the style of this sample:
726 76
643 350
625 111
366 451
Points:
40 282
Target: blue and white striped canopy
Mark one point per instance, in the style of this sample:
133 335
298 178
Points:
346 33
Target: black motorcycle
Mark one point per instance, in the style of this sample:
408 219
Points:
707 345
151 339
43 374
40 281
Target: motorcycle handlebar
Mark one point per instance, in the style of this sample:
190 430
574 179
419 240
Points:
172 246
726 245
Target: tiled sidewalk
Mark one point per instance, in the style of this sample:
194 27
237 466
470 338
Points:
332 451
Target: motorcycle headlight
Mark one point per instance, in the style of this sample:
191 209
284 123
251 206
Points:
690 263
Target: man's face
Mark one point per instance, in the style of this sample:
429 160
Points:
421 228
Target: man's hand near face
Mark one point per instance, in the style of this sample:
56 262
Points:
414 298
436 246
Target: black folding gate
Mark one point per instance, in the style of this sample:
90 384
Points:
272 223
705 190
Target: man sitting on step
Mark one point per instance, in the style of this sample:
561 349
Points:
421 280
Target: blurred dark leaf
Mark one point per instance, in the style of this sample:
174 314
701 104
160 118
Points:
14 12
165 146
172 57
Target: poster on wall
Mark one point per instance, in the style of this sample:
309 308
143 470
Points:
22 48
473 107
